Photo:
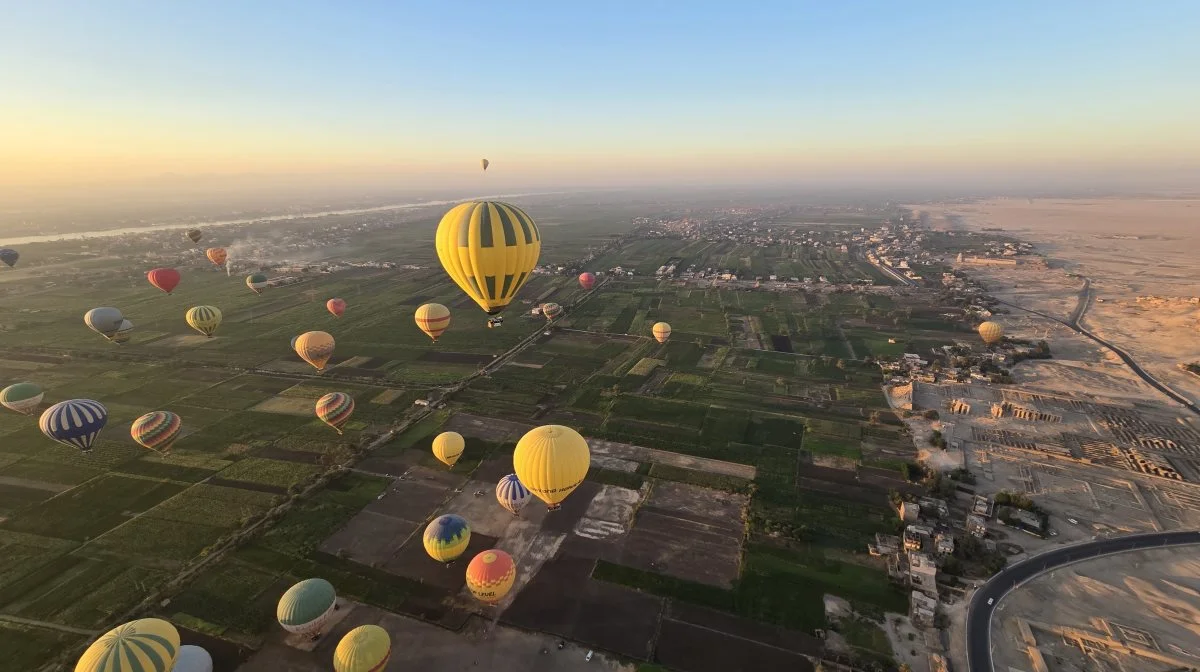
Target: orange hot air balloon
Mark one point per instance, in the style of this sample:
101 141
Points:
165 279
491 575
216 255
587 280
314 347
336 306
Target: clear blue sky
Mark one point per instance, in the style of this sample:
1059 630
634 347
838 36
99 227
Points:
594 88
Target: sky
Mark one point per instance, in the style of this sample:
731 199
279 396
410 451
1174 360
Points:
575 93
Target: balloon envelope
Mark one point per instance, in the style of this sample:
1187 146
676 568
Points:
216 255
661 331
552 461
104 320
22 397
256 282
9 256
991 332
148 644
488 249
363 649
193 659
314 347
447 537
75 423
165 279
336 306
194 235
335 408
124 332
511 494
587 280
551 310
433 319
157 430
306 606
485 163
204 319
448 447
491 575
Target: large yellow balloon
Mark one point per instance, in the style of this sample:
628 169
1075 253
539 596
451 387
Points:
488 249
661 331
149 644
552 461
991 332
314 347
433 318
204 319
363 649
448 447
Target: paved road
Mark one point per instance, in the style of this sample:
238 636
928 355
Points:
979 615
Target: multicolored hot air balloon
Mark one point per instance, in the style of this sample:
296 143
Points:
9 256
336 306
433 319
991 332
363 649
587 280
157 430
124 333
485 163
491 575
448 447
447 537
147 645
193 659
488 249
552 461
551 310
661 331
75 423
335 408
204 319
306 606
216 255
165 279
511 494
194 235
257 282
104 320
314 347
22 398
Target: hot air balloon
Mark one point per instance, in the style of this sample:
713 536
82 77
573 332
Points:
448 447
511 494
22 397
661 331
165 279
447 537
194 235
551 310
104 321
256 282
148 644
157 430
587 280
216 255
74 423
293 345
336 306
335 408
314 347
433 319
363 649
9 256
991 332
204 319
124 332
488 249
193 659
306 606
491 575
485 163
551 461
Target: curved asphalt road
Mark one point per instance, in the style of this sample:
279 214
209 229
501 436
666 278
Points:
979 614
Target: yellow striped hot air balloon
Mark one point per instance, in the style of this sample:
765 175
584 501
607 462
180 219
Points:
366 648
488 249
148 644
433 319
991 332
204 319
491 575
314 347
661 331
551 461
448 447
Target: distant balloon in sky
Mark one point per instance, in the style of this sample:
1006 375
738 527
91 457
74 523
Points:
336 306
587 280
194 235
256 282
551 461
104 320
489 249
448 447
216 255
165 279
447 537
75 423
204 319
551 310
306 607
991 332
22 397
157 430
335 409
491 575
661 331
511 494
314 347
433 319
9 256
485 163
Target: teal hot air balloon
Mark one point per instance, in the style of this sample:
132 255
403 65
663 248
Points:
257 282
74 423
22 398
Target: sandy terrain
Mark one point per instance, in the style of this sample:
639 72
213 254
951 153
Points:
1146 601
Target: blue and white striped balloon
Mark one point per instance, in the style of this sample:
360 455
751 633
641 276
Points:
512 494
75 422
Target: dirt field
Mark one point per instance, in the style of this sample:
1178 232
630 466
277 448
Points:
421 646
627 451
285 406
488 429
